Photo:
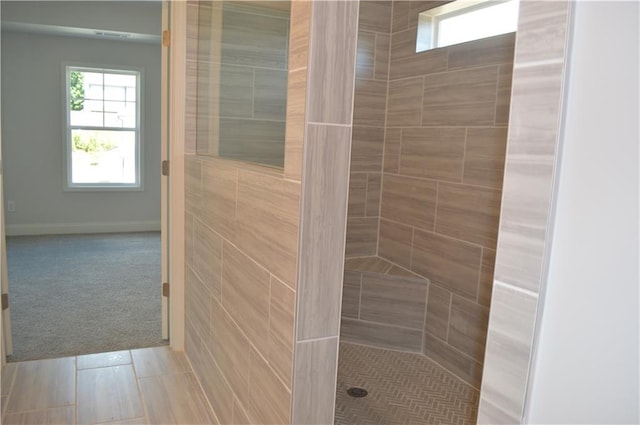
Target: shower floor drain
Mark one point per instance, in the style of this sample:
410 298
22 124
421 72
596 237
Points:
357 392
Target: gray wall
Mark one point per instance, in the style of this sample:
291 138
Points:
586 366
32 131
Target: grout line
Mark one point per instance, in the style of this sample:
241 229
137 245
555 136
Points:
381 324
515 288
449 317
324 338
359 295
435 214
480 275
495 102
464 150
331 124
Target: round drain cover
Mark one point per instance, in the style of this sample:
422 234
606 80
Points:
357 392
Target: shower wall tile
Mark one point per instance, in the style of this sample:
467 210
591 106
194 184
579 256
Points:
207 257
330 93
268 214
375 16
393 300
367 148
400 15
216 388
392 150
362 236
282 312
357 195
438 308
269 399
405 103
370 102
468 327
460 98
193 190
503 96
219 184
268 102
395 242
236 91
381 64
316 361
468 213
434 153
294 127
380 335
323 209
409 201
485 151
542 31
245 295
299 34
405 62
448 262
485 285
483 52
465 367
197 302
365 54
374 186
351 294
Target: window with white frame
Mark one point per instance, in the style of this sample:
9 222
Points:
103 128
465 20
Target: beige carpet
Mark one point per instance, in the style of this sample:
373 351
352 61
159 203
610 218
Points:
404 388
82 294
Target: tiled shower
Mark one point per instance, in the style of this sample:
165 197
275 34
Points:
427 162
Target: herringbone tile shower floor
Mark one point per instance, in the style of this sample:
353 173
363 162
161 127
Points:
404 388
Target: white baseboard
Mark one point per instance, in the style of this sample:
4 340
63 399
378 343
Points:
72 228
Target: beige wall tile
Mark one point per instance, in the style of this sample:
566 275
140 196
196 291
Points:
374 183
58 415
269 399
405 102
281 322
464 367
380 335
503 100
294 128
188 239
405 62
459 98
393 300
197 303
485 151
367 147
486 276
268 222
486 51
245 295
438 308
236 91
324 204
193 184
219 187
469 213
368 264
400 15
362 237
448 262
317 362
299 34
395 242
108 394
375 15
468 327
409 201
365 54
240 416
216 389
508 351
392 150
207 257
330 93
42 384
542 31
270 95
381 65
231 351
258 141
351 294
435 153
176 396
357 195
370 102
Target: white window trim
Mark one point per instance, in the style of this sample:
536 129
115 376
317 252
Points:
68 186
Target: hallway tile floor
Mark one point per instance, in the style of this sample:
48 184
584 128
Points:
404 388
145 386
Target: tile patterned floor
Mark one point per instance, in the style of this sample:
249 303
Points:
404 388
137 387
